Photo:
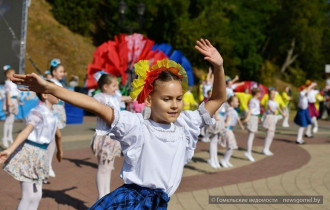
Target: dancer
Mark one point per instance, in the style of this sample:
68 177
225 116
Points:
214 134
244 98
270 121
104 148
26 160
313 112
302 118
57 72
230 140
252 119
10 106
286 95
155 150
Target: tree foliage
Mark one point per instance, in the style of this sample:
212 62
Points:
253 36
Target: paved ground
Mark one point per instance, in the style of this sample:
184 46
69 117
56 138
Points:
293 170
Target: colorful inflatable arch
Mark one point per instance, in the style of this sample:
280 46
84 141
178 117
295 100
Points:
118 56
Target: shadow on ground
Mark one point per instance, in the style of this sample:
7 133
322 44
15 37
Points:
61 197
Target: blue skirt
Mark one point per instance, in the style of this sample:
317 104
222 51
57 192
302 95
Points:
132 196
302 118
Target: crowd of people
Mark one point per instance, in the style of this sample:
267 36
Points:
161 128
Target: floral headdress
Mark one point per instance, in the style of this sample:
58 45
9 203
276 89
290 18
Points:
143 84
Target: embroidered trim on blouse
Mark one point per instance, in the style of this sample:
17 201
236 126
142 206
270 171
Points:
165 135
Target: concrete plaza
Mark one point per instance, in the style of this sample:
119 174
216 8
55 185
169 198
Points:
294 170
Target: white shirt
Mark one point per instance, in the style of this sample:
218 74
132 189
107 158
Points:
223 108
155 154
113 101
206 87
11 88
44 123
230 91
302 100
311 96
233 116
254 106
271 107
56 82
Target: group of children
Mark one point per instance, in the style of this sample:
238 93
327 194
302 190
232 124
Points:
250 111
156 146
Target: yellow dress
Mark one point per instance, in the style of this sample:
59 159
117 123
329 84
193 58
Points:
243 100
188 101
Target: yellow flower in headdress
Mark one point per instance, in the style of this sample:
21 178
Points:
143 85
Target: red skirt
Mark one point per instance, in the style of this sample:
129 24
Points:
312 110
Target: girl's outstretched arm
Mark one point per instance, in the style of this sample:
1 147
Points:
35 83
21 137
219 85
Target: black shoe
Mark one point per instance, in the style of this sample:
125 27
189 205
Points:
309 136
297 142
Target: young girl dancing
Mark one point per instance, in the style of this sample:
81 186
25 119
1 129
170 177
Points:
57 72
216 133
155 150
26 159
252 119
104 148
302 118
230 140
10 106
270 121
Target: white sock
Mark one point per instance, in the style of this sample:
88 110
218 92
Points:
8 127
250 142
228 154
300 134
309 130
268 140
31 196
315 124
103 177
214 149
286 118
51 150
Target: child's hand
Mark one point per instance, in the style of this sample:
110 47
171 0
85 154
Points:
59 156
211 54
4 155
32 81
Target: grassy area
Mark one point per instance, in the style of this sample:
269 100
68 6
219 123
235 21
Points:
48 39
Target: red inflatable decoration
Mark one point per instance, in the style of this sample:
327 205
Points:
118 56
250 85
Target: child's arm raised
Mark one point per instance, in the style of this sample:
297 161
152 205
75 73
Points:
219 85
22 136
37 84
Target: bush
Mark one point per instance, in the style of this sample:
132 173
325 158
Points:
77 15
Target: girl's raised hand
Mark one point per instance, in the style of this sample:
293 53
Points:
33 82
211 54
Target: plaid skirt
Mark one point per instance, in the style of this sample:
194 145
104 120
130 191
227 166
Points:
28 164
132 196
252 124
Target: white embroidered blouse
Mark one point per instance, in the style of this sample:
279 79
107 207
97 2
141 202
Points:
155 154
